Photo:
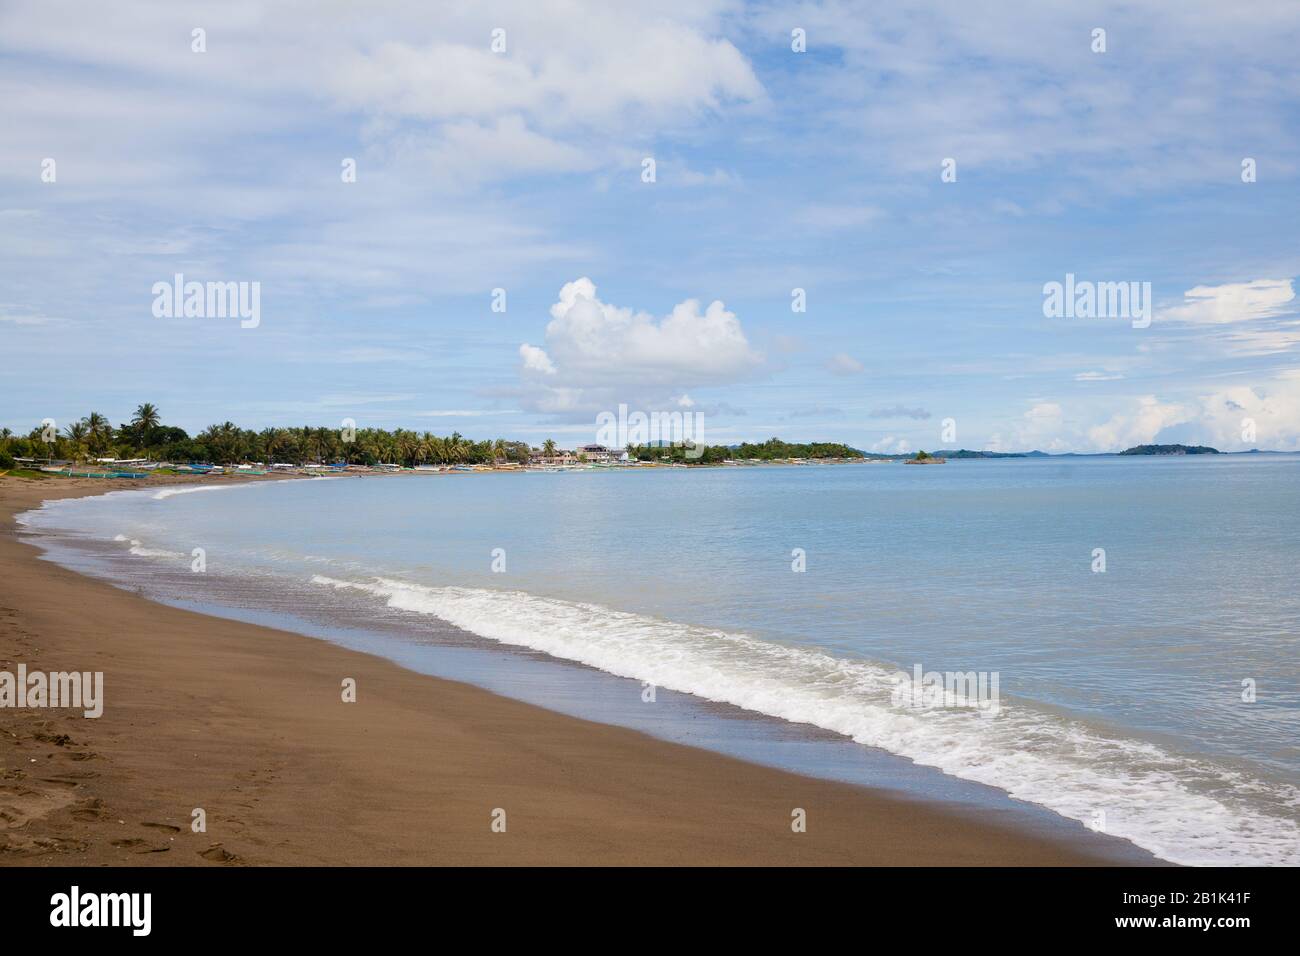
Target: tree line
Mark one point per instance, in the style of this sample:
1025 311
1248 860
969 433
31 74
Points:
773 449
146 436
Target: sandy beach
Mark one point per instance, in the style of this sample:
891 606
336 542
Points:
248 724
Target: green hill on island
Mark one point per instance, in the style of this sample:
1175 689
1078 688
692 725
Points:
1170 450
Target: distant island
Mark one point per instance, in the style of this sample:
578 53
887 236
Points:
925 458
960 453
1170 450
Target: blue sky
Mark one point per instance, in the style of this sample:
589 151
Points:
774 170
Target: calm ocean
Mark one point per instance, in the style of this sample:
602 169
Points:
1121 692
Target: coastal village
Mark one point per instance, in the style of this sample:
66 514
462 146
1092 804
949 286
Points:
582 458
144 446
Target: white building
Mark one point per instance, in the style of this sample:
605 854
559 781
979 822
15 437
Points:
601 454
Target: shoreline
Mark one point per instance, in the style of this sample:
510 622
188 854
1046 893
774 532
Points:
247 722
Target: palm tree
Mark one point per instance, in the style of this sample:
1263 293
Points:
76 433
143 423
457 447
98 432
146 417
308 446
498 451
224 442
276 442
367 446
326 444
408 447
548 448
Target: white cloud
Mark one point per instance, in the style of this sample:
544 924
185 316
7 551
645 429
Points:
473 150
1217 418
844 364
1138 425
536 360
598 342
890 445
1097 376
1235 302
1241 318
1043 428
596 350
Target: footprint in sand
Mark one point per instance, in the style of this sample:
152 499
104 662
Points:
20 805
218 854
162 826
136 845
89 810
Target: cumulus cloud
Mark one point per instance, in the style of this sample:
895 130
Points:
596 352
1044 427
1136 425
1236 418
891 445
535 359
1233 418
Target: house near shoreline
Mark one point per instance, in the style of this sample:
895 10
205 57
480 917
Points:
601 455
562 456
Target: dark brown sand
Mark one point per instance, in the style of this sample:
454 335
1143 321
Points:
248 723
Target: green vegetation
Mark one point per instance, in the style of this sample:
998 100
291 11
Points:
967 453
773 449
145 436
1170 450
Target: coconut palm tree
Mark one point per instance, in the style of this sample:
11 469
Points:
327 444
76 433
366 446
408 447
223 442
145 420
276 443
98 432
548 448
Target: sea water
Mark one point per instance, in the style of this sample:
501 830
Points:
1139 615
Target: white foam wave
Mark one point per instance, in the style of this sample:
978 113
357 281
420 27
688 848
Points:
140 551
1181 809
188 490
